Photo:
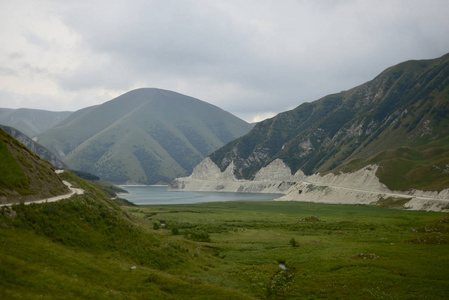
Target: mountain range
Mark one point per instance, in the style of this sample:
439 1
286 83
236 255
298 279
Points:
31 121
399 121
145 136
406 107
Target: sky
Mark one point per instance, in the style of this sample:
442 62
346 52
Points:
252 58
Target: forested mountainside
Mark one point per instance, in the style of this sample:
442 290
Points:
31 121
144 136
40 150
24 175
407 105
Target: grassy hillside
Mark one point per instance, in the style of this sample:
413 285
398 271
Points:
23 175
425 167
40 150
84 247
88 247
407 105
31 121
144 136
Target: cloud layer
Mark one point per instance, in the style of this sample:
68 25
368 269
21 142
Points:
252 58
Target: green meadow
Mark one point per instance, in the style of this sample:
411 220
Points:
89 247
329 251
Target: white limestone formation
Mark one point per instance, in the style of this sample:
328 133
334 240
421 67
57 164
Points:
360 187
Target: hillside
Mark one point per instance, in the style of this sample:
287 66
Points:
87 247
31 121
23 175
407 105
145 136
40 150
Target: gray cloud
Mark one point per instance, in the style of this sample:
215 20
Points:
248 57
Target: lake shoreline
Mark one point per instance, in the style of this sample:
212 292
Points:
160 195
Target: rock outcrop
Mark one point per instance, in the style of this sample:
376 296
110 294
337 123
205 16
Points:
275 178
360 187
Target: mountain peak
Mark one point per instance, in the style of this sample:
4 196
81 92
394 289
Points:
146 135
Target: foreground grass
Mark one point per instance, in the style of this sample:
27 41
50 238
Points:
88 247
330 251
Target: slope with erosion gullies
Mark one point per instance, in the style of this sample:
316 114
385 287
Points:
24 176
145 136
406 105
31 121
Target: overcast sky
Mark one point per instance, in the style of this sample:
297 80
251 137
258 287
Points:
251 58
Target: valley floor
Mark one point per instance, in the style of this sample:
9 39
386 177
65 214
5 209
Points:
227 250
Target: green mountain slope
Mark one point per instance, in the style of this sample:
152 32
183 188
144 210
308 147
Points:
40 150
425 167
144 136
31 121
406 105
87 247
23 175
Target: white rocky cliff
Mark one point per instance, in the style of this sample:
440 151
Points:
360 187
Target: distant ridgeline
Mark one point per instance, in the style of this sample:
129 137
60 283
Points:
31 121
145 136
405 107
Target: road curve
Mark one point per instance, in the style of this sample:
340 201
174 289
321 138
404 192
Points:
73 191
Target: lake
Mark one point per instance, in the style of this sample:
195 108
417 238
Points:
157 195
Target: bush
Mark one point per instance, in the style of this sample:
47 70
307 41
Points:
174 230
199 236
293 243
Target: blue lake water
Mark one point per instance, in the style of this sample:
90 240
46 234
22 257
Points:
156 195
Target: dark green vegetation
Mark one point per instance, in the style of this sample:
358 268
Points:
23 175
407 106
31 121
89 247
144 136
40 150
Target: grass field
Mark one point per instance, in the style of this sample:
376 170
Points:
330 251
88 247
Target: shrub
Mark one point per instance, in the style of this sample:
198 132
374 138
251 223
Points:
293 243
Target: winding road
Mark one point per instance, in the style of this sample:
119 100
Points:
73 191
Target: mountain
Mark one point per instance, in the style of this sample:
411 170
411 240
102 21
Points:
145 136
407 105
38 149
23 175
31 121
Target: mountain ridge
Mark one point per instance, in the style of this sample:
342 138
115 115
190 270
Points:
404 105
143 136
31 121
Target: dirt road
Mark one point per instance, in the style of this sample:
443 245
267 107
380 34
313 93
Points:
73 191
